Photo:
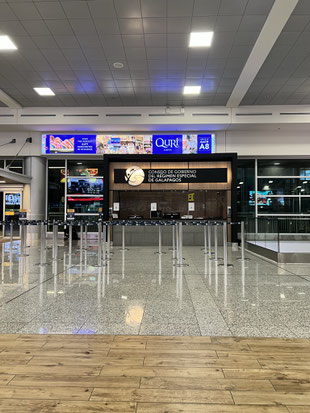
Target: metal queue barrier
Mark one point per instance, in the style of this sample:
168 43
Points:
104 237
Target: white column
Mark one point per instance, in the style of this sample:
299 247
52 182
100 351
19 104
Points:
35 166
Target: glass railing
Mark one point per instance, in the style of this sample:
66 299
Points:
280 234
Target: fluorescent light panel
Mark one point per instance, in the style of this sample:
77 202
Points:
44 91
200 39
6 43
191 90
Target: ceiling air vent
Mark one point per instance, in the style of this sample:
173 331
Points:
210 114
254 114
6 116
81 115
38 116
165 114
294 113
124 115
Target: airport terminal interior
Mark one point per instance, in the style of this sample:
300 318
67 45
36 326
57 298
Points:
154 206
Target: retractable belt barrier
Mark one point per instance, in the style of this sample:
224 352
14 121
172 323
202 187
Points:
104 236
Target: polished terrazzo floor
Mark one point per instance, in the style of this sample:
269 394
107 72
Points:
140 292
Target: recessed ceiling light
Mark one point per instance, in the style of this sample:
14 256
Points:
277 163
6 43
241 183
79 163
305 182
200 39
191 90
270 182
2 182
118 65
44 91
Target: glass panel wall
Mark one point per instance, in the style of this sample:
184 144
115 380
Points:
75 184
56 189
85 187
246 188
283 187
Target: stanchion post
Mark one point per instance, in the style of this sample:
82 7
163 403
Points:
22 240
85 244
42 243
123 238
242 240
209 239
225 242
55 242
177 243
70 238
81 235
181 243
109 242
11 232
215 242
159 239
104 252
99 242
205 239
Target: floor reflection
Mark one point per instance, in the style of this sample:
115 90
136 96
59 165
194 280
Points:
48 290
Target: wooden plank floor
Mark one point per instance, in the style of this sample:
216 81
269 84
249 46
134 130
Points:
146 374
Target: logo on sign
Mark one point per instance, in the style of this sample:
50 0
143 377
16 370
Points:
167 144
134 176
204 143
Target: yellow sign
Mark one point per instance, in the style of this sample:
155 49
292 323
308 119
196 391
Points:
9 212
23 210
191 197
70 210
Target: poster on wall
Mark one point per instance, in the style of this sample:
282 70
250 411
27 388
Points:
71 144
87 144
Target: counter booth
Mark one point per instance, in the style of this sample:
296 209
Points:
165 187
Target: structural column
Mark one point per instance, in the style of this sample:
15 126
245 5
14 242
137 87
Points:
35 193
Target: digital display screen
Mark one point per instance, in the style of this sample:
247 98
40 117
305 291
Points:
12 199
128 144
164 144
74 144
82 186
262 198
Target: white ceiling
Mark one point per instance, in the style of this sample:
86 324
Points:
71 45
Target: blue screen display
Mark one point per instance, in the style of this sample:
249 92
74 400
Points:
75 144
204 144
163 144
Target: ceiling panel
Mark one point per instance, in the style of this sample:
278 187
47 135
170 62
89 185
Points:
286 70
71 46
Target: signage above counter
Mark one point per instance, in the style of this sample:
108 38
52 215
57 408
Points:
135 176
97 144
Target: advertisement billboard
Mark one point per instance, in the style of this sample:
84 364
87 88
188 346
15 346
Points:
90 144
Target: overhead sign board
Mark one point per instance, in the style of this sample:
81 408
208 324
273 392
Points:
91 144
176 176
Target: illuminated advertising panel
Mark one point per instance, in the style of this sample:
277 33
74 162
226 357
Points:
87 144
